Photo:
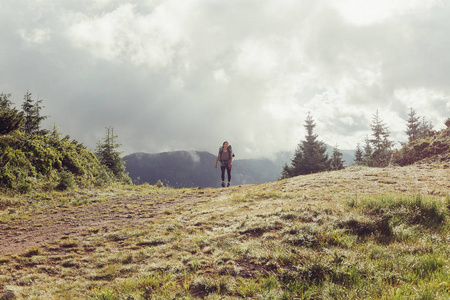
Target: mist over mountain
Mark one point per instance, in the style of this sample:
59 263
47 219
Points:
176 169
182 169
195 168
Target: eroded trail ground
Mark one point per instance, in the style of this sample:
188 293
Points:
49 225
43 227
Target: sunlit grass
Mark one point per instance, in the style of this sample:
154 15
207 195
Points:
265 241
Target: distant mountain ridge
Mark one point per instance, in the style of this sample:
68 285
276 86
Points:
176 169
183 169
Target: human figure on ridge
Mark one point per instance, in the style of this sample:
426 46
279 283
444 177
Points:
225 157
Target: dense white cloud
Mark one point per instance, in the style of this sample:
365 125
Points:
367 12
171 75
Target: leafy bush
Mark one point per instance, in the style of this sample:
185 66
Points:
66 163
103 178
66 181
24 187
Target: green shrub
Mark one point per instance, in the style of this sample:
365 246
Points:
103 178
66 181
24 187
50 159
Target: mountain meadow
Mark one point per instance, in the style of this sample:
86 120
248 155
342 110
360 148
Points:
358 233
74 226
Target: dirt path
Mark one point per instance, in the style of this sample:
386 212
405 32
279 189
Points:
16 237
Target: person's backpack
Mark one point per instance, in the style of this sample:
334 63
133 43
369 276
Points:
230 150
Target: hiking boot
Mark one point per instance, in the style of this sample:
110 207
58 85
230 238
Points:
223 184
228 184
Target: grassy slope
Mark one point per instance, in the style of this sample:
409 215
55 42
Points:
355 234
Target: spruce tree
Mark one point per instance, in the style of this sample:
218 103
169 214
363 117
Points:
367 156
286 172
33 118
358 155
108 155
4 101
381 145
426 129
310 156
413 126
10 118
337 163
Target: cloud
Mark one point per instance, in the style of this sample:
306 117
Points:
187 75
221 76
194 156
125 35
37 35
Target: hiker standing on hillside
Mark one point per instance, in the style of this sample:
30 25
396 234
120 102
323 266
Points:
225 157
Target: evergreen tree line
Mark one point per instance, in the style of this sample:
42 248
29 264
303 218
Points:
377 150
28 152
311 156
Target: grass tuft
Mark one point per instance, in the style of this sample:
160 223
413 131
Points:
32 252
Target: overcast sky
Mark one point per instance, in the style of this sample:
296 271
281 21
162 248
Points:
188 75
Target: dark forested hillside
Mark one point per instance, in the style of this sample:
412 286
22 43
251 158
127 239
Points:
176 169
195 168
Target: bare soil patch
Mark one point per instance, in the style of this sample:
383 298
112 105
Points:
43 228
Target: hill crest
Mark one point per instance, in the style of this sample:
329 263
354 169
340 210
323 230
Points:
317 236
